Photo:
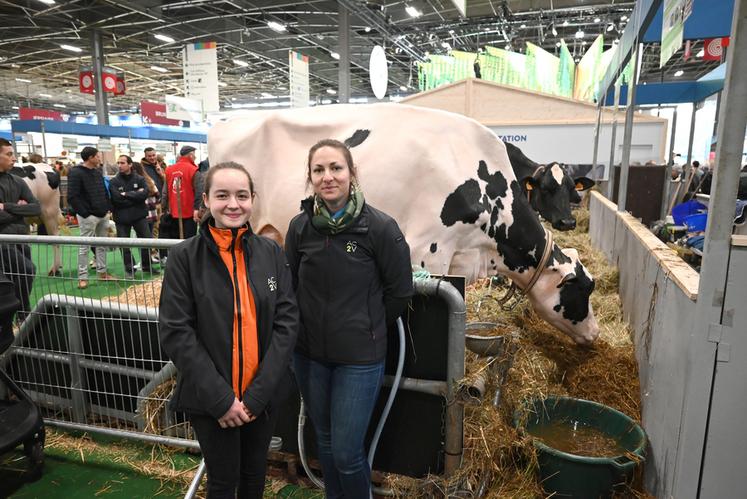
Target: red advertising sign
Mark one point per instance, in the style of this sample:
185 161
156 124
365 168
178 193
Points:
85 81
155 113
713 48
121 87
29 113
109 81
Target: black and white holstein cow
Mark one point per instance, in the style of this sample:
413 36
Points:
550 190
44 182
446 179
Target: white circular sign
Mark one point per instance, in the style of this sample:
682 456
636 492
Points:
378 71
87 81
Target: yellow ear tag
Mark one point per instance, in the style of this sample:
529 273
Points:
528 186
579 186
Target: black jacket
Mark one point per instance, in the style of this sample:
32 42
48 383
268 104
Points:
349 285
150 169
196 323
13 189
129 193
86 193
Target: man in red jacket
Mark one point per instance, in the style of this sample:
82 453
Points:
181 192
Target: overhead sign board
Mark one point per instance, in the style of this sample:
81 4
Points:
201 74
671 29
298 65
183 108
29 113
378 71
154 113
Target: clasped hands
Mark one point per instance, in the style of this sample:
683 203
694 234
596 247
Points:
236 416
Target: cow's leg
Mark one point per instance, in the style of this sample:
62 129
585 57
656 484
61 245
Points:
51 219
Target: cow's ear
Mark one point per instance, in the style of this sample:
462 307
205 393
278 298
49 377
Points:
583 183
529 183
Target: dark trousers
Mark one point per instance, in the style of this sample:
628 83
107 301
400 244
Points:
235 458
340 399
170 230
16 264
141 230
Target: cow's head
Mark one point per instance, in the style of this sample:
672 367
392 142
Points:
497 206
551 192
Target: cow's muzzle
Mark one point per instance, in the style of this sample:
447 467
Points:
565 224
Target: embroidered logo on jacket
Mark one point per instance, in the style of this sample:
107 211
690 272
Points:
272 284
351 246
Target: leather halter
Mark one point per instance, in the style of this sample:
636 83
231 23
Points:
521 293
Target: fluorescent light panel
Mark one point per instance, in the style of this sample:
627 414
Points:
331 91
159 69
23 80
164 38
276 26
412 11
335 55
241 63
71 48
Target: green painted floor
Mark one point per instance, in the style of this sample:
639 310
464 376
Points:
111 469
43 258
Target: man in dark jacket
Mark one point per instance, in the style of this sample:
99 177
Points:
150 165
16 202
87 197
129 192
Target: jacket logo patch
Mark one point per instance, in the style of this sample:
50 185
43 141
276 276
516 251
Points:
272 284
351 246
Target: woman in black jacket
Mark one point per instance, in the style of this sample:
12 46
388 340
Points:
228 321
352 275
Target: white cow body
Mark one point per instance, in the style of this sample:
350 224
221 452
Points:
409 162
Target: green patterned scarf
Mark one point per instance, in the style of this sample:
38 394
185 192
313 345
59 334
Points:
323 221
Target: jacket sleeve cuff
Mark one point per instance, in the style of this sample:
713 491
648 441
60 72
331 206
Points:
255 406
221 407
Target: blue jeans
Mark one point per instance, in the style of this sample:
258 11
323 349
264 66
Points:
340 399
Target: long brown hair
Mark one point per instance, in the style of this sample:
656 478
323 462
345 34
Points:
152 190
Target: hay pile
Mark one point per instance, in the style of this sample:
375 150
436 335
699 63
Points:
497 459
146 294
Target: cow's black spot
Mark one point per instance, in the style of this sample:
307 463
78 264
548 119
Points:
434 247
53 179
556 308
484 227
357 139
492 262
24 172
463 205
422 264
574 296
493 216
497 183
559 256
491 232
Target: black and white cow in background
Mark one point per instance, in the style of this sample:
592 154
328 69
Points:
44 182
446 179
550 190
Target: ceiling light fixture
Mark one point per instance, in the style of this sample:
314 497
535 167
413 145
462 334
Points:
367 29
335 55
276 26
45 95
23 80
579 34
14 107
403 88
557 44
679 73
565 23
699 54
63 106
412 11
446 45
597 20
241 63
71 48
164 38
610 27
507 46
331 91
48 2
624 18
267 95
222 84
523 26
159 69
553 29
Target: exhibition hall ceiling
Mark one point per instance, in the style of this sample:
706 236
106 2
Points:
45 42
